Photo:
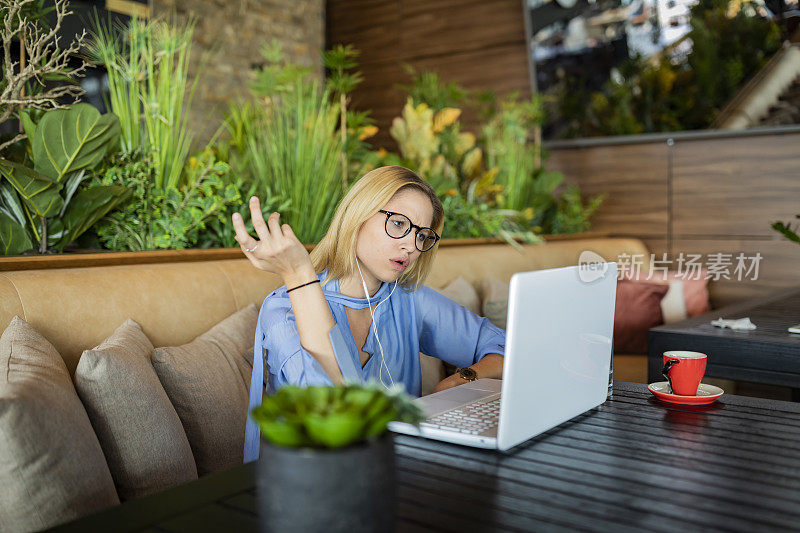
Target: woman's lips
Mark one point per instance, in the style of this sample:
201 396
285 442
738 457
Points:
398 265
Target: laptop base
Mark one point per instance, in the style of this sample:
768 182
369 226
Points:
434 405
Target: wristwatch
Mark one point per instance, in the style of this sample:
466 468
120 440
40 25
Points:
467 373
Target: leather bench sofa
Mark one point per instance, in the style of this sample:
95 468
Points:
76 308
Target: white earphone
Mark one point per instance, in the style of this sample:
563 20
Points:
374 328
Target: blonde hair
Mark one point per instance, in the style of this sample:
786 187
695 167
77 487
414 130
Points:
337 249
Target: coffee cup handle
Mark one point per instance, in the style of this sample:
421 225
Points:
665 372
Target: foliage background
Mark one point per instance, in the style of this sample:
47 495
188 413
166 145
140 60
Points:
673 92
295 143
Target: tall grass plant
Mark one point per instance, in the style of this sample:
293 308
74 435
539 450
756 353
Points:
518 165
294 153
147 64
285 146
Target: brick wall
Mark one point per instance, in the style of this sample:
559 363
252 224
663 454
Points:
229 35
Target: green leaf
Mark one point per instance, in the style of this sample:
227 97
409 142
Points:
379 404
174 196
10 204
67 140
283 434
269 409
289 397
14 239
318 398
379 425
38 191
787 231
360 399
7 166
89 206
73 181
55 231
334 430
231 194
547 182
27 124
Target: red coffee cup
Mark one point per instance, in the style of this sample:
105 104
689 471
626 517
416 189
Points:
684 370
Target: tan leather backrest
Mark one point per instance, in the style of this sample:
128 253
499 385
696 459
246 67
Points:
500 261
76 308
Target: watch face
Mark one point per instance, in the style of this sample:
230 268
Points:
468 373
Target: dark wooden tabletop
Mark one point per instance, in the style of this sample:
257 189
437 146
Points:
632 464
768 354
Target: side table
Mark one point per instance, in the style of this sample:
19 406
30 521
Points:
769 354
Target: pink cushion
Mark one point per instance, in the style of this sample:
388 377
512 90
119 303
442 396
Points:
695 291
637 309
695 287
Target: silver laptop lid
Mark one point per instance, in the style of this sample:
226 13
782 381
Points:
558 348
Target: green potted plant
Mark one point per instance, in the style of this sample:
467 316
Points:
327 459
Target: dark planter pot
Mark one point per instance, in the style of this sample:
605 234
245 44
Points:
351 490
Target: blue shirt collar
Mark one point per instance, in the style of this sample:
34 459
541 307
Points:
332 293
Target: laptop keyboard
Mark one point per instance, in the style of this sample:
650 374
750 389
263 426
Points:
472 419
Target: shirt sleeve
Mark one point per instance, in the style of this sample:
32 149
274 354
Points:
288 361
291 364
453 333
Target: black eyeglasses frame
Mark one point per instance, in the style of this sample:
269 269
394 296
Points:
411 226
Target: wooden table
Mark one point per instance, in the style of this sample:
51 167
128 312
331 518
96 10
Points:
632 464
768 354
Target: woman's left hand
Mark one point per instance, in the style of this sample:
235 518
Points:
450 382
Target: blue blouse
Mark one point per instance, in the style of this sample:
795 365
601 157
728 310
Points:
408 323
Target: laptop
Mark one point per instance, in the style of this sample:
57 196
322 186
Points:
556 366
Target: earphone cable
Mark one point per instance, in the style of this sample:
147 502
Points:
374 328
383 359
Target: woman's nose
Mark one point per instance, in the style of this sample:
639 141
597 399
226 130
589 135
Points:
407 242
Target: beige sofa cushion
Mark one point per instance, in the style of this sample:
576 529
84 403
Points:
495 301
51 465
208 381
463 293
140 432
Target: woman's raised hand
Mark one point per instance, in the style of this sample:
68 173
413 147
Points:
277 249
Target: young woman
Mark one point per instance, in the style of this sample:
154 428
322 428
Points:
356 308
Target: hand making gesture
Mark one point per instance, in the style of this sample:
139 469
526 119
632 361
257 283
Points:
277 249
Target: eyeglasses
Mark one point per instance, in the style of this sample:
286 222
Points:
399 225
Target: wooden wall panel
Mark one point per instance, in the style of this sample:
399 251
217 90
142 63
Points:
778 268
449 27
634 179
383 99
501 69
725 192
479 44
370 26
735 186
